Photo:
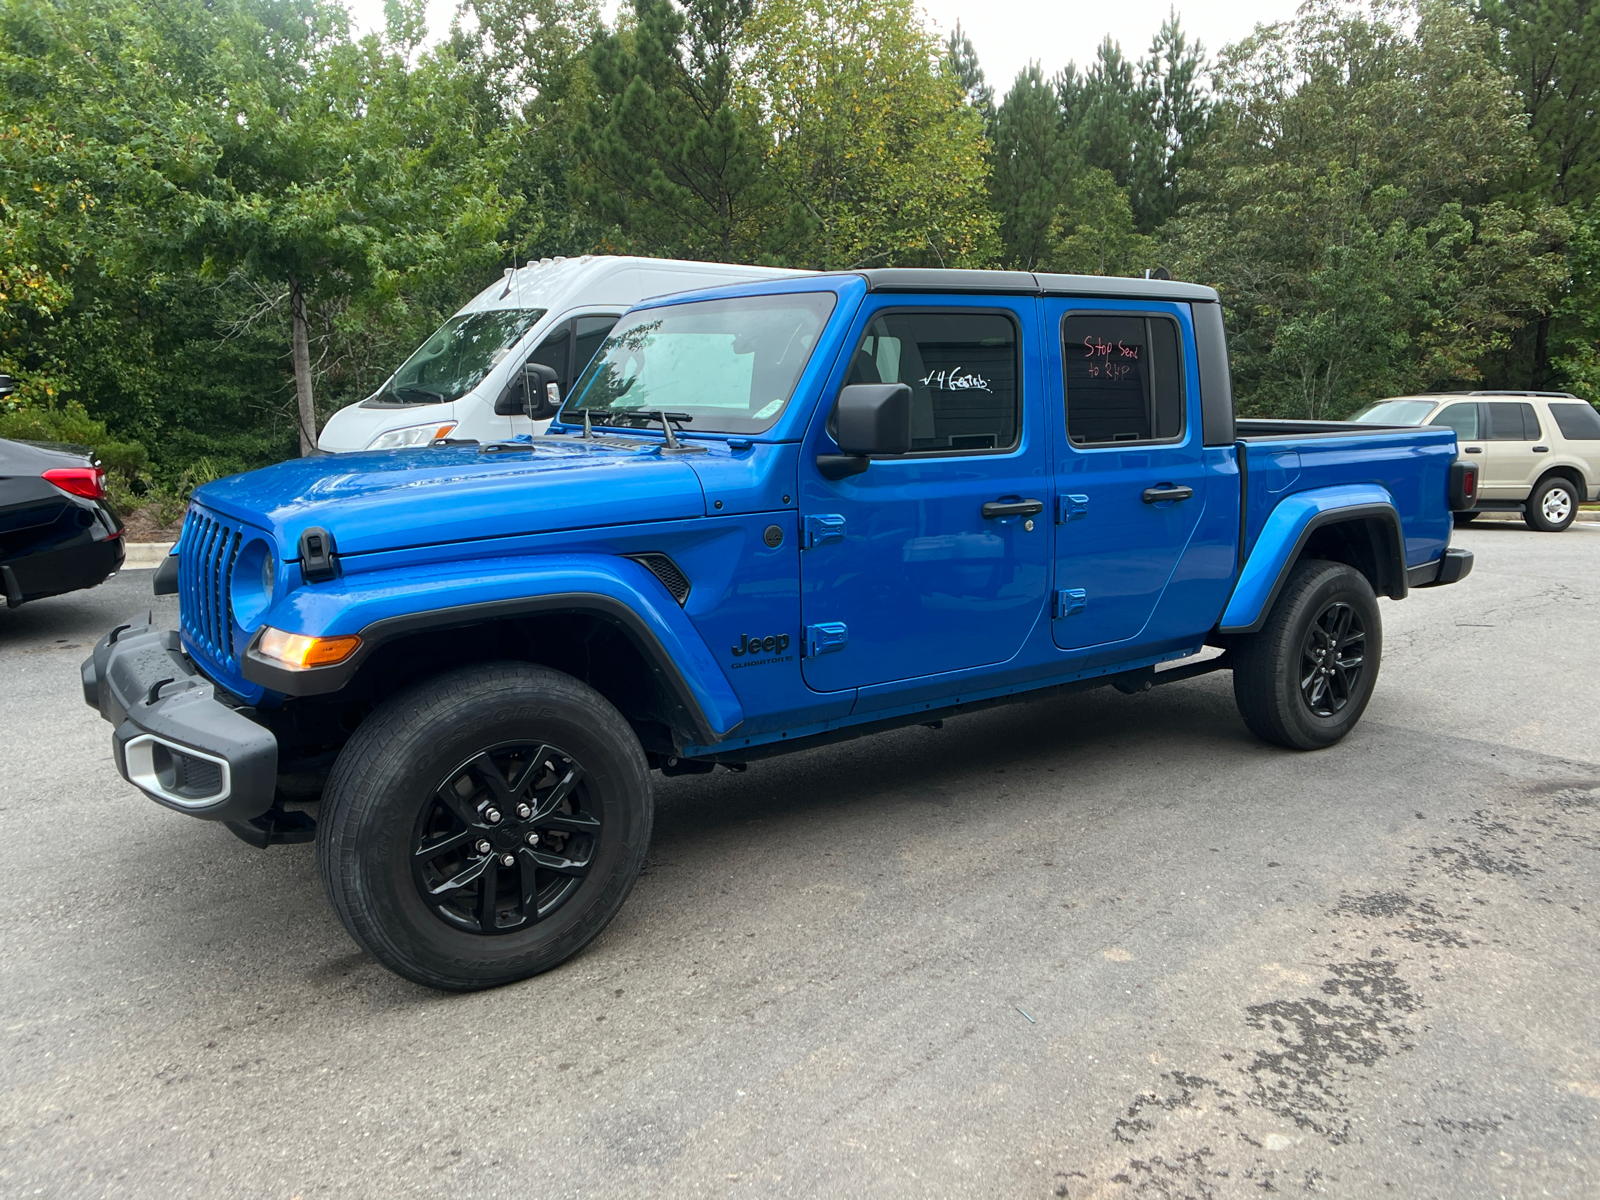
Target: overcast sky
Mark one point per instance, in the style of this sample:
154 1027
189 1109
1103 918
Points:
1008 33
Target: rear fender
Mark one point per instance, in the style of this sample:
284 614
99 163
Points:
1290 526
383 605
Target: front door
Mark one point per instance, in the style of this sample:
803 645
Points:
1131 478
1465 418
904 572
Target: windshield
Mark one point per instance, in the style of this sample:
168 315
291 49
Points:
1396 412
460 353
728 366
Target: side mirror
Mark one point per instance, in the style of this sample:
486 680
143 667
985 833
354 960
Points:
7 386
869 418
541 394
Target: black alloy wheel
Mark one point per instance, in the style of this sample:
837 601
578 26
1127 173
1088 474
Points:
1304 678
1331 657
485 824
506 840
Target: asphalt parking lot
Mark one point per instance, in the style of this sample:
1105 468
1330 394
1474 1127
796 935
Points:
1096 946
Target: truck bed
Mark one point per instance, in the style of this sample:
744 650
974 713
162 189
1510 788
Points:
1279 459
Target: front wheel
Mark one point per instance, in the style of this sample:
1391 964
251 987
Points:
485 825
1304 679
1553 505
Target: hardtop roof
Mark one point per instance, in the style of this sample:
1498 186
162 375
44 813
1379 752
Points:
1034 283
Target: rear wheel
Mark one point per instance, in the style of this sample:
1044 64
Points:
1463 519
1553 505
485 825
1304 679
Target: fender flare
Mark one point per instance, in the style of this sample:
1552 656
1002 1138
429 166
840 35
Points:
381 606
1284 536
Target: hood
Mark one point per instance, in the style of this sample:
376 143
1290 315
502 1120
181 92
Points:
391 499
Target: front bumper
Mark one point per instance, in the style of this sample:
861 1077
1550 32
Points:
172 737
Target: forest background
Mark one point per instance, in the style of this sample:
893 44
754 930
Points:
212 209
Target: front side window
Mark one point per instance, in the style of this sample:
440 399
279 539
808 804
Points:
726 366
460 353
1463 418
962 371
1124 379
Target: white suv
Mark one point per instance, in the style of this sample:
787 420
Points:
1540 450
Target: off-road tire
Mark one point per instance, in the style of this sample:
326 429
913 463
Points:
391 771
1546 511
1269 665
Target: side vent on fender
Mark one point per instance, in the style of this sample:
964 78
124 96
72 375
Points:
664 569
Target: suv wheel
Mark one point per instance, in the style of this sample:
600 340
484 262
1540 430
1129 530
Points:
485 825
1304 680
1463 519
1553 505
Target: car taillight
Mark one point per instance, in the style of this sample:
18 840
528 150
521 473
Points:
1463 485
88 482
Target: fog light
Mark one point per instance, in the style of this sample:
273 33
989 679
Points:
299 652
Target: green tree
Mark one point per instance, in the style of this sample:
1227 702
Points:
1140 122
674 155
961 64
530 60
1032 162
1547 49
880 158
1339 208
340 170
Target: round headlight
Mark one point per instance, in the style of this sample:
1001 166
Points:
254 575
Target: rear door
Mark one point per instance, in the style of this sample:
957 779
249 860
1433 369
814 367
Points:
1511 462
902 573
1131 476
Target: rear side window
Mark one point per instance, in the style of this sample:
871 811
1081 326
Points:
1463 418
1512 421
1577 422
1124 379
962 368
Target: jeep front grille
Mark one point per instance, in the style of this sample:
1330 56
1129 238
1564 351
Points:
205 575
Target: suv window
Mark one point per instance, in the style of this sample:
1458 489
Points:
1124 381
1578 422
1463 418
1512 421
962 368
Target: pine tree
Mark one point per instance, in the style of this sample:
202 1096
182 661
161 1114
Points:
674 158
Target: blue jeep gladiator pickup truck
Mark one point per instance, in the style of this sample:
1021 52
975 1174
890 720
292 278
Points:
767 517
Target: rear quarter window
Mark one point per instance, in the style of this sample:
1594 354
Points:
1577 422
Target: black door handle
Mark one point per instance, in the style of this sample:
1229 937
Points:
1167 491
1472 449
1012 508
1541 449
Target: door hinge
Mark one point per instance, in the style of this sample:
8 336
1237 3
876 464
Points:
1069 602
1071 508
826 637
823 528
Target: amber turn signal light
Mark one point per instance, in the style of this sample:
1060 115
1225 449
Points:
299 652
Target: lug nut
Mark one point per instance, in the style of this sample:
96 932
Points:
524 811
507 861
533 839
492 815
484 847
